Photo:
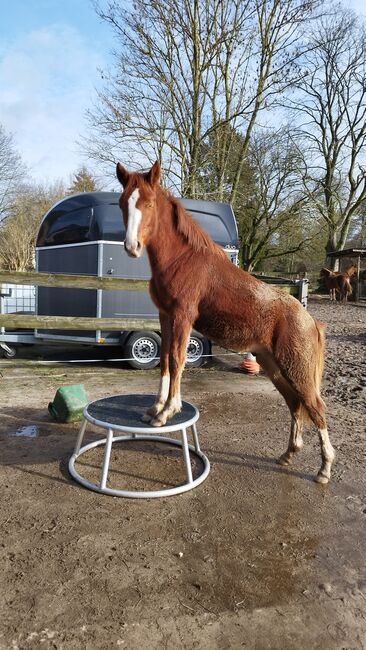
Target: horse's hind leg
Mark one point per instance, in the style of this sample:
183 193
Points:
328 456
316 411
303 399
292 400
295 442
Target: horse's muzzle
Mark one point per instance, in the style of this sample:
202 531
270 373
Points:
134 250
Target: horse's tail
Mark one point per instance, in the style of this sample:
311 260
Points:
317 372
319 354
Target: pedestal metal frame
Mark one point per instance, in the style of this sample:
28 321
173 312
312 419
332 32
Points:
140 433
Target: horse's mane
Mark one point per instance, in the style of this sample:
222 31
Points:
194 235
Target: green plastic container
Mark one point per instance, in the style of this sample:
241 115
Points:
69 403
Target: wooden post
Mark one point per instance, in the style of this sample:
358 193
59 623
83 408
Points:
358 288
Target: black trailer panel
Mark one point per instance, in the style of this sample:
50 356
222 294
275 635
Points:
69 258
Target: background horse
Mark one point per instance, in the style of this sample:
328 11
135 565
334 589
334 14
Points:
194 285
338 282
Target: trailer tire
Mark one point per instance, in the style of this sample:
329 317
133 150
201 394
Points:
8 352
198 349
142 349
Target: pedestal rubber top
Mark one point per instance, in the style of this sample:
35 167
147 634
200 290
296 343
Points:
127 411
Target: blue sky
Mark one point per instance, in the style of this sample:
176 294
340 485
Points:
50 52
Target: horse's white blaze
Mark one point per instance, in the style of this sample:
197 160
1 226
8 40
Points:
134 219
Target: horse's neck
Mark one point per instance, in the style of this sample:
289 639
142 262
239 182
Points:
165 244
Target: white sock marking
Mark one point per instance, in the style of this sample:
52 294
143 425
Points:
164 388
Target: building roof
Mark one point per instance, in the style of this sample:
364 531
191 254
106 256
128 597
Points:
348 252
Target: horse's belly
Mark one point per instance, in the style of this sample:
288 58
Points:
225 331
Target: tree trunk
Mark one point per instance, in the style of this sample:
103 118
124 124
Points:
332 263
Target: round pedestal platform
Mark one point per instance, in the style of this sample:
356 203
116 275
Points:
124 413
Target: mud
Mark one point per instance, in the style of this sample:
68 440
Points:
258 556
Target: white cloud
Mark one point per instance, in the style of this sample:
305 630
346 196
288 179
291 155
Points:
47 79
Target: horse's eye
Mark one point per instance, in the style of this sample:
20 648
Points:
149 205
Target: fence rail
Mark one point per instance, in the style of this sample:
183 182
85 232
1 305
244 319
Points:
30 321
71 281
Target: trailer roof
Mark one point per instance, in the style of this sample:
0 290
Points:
95 216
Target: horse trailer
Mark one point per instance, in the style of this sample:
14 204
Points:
84 234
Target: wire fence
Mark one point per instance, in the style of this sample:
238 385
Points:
215 355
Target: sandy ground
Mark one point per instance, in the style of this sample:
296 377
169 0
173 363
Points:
258 556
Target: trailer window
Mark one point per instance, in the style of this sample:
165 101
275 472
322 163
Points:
65 227
107 223
215 227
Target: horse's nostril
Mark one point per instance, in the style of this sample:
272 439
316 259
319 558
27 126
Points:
138 245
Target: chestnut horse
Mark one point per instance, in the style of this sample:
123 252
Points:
338 282
194 285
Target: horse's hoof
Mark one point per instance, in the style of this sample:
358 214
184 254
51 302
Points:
320 478
156 422
283 460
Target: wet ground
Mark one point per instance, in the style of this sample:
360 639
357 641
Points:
258 556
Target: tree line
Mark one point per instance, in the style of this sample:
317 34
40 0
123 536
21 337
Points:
23 204
260 103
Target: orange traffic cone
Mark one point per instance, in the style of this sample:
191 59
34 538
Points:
249 364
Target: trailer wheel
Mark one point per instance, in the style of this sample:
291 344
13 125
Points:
197 350
8 352
142 350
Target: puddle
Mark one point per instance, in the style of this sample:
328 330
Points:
30 431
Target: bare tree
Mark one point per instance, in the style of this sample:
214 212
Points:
18 231
331 105
185 68
273 216
10 167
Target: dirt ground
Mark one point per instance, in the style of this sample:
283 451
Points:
258 556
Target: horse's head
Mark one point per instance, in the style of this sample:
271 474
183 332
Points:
138 206
351 270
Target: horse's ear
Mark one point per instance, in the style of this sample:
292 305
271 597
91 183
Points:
153 176
122 174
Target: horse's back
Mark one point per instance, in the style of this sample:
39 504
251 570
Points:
235 308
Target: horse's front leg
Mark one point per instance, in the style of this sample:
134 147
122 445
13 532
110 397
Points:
162 396
180 330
